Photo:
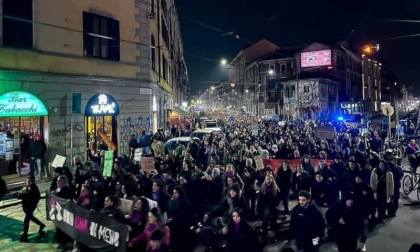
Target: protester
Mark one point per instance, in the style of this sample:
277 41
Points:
30 197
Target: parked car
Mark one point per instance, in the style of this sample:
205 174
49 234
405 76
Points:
202 132
170 145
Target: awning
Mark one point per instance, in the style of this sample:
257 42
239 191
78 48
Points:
180 111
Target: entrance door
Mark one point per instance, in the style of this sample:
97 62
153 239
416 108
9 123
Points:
101 133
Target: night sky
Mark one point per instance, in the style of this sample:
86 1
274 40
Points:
209 29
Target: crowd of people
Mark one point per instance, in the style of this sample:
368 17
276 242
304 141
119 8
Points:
343 186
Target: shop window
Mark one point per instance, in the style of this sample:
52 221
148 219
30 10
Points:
101 36
17 23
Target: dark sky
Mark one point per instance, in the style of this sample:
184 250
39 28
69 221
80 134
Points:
204 25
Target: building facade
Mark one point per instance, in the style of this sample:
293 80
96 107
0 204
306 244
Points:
103 70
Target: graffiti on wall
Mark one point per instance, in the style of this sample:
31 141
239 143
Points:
309 94
131 127
65 130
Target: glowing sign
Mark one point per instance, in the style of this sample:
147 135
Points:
19 103
315 58
102 104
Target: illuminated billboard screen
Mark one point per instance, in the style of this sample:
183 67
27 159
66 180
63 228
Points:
315 58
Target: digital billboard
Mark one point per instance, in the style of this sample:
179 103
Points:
315 58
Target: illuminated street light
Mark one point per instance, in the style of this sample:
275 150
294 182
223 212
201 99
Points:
212 88
223 62
271 72
246 91
232 85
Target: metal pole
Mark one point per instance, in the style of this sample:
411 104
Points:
20 149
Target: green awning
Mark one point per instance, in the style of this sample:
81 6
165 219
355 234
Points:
180 111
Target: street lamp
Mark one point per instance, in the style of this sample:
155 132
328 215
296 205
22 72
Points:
223 62
271 72
212 88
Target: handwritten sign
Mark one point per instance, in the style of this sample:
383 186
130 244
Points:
259 162
147 164
59 161
325 132
126 205
108 163
137 154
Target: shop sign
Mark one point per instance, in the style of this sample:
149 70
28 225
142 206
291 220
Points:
19 103
102 104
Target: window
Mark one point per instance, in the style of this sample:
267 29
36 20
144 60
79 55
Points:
306 89
272 69
164 68
283 69
17 33
153 51
101 36
165 34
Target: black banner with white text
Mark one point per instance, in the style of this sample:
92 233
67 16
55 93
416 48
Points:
95 230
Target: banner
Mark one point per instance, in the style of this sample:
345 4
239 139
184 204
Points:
98 231
277 163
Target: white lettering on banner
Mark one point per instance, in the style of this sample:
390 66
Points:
92 229
56 208
68 217
108 235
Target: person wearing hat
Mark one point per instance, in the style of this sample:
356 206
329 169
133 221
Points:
364 200
345 218
307 224
37 151
30 197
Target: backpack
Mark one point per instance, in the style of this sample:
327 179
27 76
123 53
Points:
3 188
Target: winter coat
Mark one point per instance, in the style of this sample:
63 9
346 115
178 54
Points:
30 197
38 149
306 224
376 177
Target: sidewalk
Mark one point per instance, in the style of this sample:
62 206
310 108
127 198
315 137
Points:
15 183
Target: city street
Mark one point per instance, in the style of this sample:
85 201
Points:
396 235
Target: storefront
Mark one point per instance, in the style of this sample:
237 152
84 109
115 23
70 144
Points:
22 118
101 122
178 116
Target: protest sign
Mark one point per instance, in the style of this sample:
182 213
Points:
259 162
325 132
108 163
126 205
137 154
97 231
148 164
152 203
58 161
